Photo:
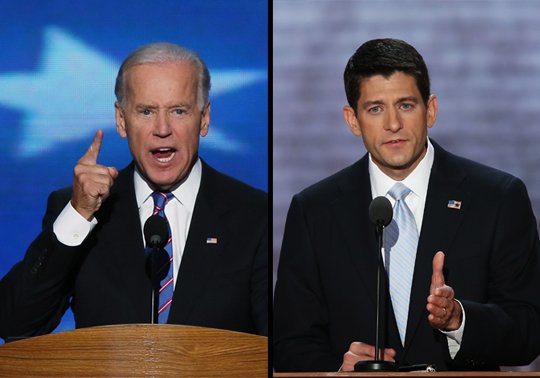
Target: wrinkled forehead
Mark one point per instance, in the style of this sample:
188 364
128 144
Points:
162 82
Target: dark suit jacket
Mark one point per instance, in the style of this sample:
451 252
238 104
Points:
325 292
223 285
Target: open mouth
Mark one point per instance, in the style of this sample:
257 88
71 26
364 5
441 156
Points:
164 155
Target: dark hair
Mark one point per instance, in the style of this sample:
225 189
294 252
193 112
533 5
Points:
384 57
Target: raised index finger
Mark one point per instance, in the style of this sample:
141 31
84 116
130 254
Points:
91 155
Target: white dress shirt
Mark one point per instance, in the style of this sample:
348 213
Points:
418 182
71 228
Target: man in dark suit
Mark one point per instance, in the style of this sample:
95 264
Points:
473 300
91 253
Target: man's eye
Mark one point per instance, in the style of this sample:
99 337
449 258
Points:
407 106
375 109
179 111
146 112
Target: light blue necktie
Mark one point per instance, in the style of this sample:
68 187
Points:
400 243
167 284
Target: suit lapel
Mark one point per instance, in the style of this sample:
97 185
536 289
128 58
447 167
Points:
200 254
351 212
439 226
122 235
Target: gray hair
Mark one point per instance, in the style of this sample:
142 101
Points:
163 52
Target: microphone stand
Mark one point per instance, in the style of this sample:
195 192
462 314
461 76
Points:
157 261
155 290
379 364
155 294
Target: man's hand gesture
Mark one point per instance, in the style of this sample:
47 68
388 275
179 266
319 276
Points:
91 182
444 311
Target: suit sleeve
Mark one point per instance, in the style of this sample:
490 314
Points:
37 290
301 340
259 282
506 329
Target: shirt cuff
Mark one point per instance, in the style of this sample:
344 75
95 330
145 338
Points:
454 337
71 228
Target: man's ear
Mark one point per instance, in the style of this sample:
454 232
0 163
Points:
432 108
205 120
120 120
350 117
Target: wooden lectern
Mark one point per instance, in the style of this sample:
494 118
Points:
138 350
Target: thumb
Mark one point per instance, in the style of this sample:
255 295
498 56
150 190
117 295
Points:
113 172
437 277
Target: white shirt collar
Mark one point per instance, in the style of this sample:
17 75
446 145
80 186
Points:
186 193
417 181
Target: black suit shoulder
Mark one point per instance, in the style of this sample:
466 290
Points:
482 171
492 182
330 188
226 188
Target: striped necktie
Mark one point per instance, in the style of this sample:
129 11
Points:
166 285
400 243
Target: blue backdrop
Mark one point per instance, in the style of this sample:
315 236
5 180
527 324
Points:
58 63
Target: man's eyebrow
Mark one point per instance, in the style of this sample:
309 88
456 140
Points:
182 105
145 106
179 105
408 98
369 103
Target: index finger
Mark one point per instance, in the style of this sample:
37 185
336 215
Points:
437 277
91 155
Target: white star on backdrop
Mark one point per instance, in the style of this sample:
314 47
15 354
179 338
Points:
71 95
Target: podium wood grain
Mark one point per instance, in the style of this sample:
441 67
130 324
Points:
138 350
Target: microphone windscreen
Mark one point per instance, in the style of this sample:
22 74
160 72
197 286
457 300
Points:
157 265
380 211
156 231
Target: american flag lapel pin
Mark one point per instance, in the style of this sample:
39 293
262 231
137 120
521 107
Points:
211 240
453 204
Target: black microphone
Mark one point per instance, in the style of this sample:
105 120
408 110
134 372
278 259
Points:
156 232
156 235
380 213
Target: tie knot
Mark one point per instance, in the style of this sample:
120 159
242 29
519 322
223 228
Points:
161 199
399 191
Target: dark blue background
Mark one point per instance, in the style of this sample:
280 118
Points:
229 35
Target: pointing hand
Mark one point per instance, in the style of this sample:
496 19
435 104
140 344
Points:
91 182
444 310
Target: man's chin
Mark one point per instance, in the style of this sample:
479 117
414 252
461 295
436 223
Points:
167 183
401 166
397 168
163 178
398 163
159 181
